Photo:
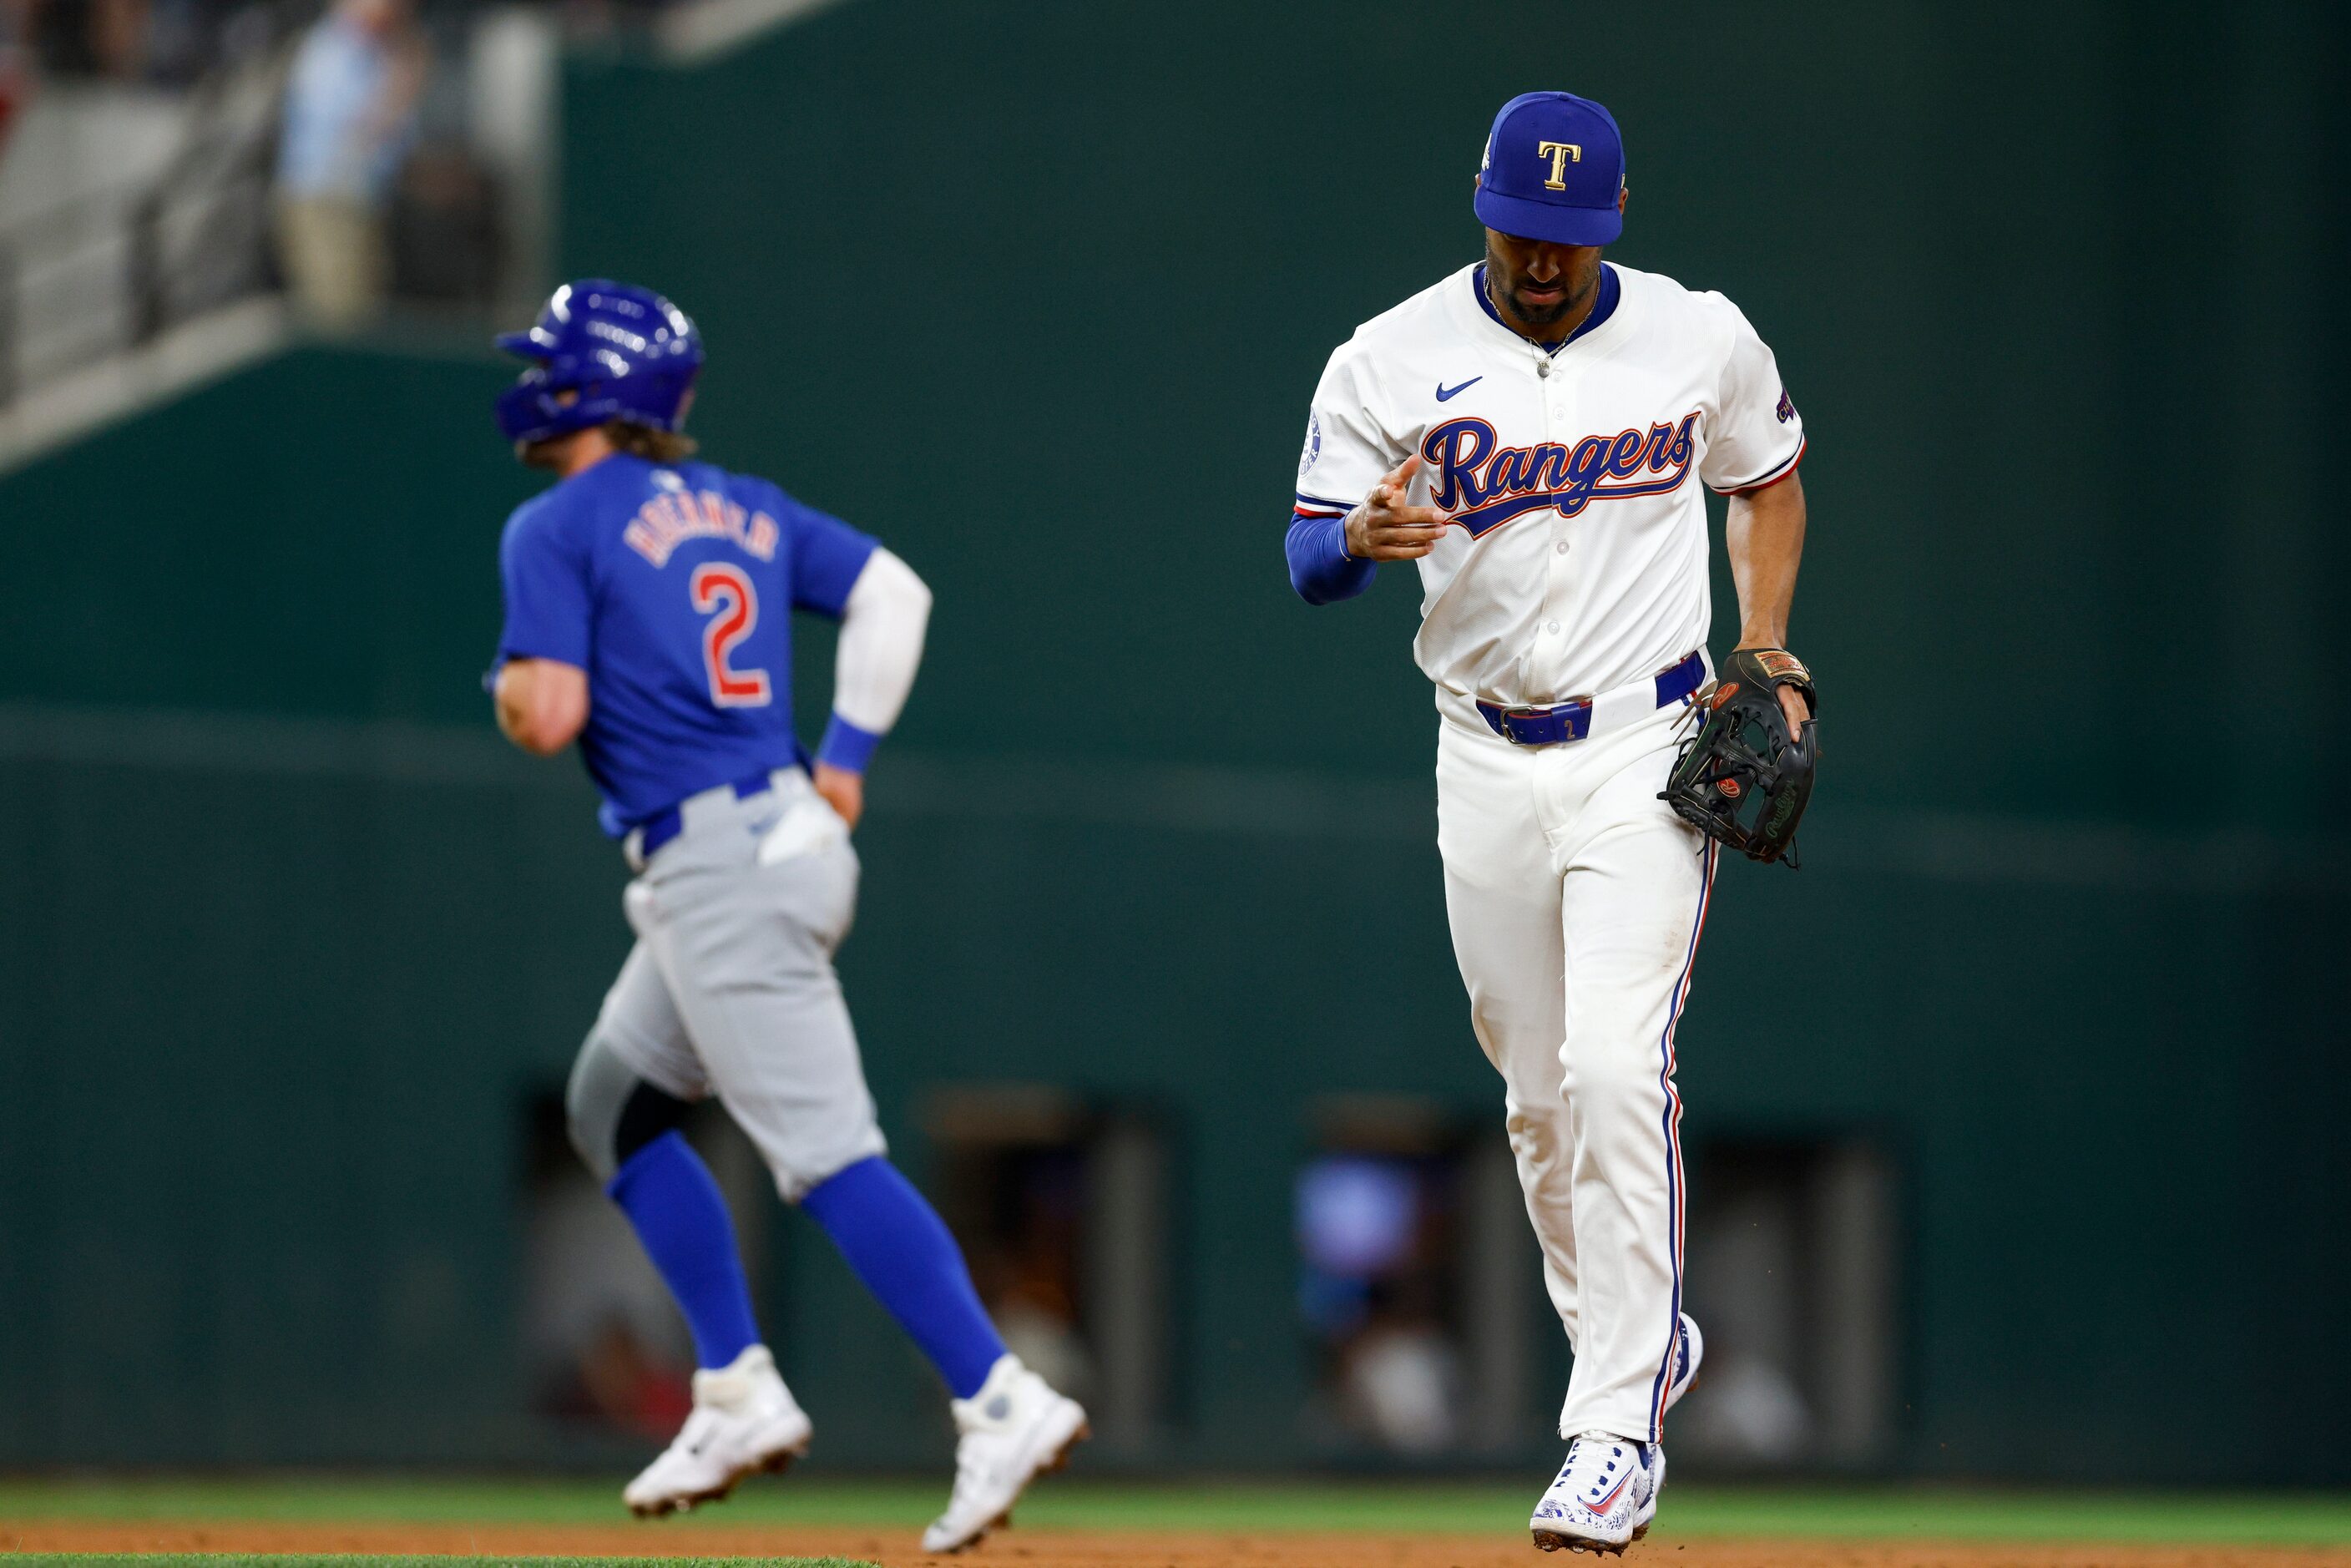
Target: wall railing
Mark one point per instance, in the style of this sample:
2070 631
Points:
112 270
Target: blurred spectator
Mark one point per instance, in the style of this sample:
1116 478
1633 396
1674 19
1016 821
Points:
602 1341
1400 1384
165 42
619 1383
15 75
87 37
1373 1243
351 113
445 228
1031 1293
184 37
1024 1234
1752 1411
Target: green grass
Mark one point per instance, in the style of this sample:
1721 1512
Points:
1851 1512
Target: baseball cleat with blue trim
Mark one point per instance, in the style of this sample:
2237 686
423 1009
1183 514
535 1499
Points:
1688 1354
1603 1498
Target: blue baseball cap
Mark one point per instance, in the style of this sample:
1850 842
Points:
1554 168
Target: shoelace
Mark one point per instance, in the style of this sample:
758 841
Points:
1596 1464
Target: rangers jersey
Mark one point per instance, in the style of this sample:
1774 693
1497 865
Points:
1575 561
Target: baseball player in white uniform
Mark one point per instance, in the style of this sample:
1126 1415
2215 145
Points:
1532 431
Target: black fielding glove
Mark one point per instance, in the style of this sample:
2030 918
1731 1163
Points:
1742 779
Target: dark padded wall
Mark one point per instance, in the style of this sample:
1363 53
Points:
1040 297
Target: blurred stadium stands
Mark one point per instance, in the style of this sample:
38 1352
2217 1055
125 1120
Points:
2018 1113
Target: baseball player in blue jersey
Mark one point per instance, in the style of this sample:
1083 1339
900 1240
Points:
648 605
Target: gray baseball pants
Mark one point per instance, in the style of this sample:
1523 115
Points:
730 990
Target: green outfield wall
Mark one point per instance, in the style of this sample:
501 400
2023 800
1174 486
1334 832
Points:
1039 296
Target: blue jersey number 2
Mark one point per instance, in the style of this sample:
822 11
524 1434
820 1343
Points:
724 592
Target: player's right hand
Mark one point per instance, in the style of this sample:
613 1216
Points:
843 790
1386 528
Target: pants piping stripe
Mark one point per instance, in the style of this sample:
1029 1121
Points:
1676 1196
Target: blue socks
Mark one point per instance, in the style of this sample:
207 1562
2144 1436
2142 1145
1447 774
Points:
681 1217
895 1243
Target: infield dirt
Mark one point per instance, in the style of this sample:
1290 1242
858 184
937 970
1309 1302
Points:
1059 1547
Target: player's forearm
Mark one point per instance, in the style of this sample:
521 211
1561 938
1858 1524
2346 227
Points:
513 719
881 629
1321 569
1764 535
541 704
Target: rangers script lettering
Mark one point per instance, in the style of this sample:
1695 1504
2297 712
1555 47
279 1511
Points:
1470 473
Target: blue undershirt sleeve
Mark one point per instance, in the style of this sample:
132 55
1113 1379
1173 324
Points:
1321 569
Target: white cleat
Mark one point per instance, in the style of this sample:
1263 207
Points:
1014 1429
743 1421
1687 1355
1583 1514
1604 1497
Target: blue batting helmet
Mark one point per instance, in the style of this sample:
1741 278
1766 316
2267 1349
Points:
624 352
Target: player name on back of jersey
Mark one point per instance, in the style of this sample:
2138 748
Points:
673 517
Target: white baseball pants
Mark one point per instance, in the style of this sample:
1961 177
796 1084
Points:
1576 897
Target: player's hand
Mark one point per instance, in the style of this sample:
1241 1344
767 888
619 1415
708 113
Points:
1792 704
842 790
1385 527
1792 701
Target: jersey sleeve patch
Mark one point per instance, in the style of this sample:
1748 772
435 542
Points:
1347 447
1754 435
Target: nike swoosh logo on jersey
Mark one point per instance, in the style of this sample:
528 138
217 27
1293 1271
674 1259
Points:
1446 394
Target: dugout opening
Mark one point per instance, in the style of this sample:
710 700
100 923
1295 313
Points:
1061 1206
1793 1272
605 1351
1417 1284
